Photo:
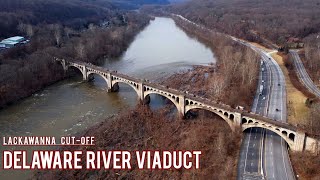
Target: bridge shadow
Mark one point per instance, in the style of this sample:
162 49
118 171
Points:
259 134
157 102
195 114
74 73
96 81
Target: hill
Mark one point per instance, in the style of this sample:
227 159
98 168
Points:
75 14
275 20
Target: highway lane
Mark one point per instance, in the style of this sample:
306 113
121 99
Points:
251 156
275 161
303 75
277 164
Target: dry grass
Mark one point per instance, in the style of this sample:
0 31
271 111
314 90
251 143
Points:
261 47
297 109
143 129
306 166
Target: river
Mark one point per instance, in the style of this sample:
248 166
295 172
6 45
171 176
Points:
71 106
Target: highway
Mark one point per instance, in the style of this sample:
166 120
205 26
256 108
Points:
276 161
273 160
303 75
251 154
263 154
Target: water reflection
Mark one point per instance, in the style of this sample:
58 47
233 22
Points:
71 106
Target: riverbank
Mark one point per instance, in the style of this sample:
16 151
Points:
72 105
141 129
233 79
28 69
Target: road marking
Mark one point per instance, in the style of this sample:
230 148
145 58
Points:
261 153
245 162
265 154
285 168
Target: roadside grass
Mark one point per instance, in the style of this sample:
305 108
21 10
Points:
313 75
297 109
261 47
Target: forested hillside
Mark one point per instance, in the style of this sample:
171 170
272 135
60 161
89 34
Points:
75 14
132 4
34 12
275 20
71 29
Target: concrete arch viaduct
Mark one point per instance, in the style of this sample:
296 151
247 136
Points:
184 102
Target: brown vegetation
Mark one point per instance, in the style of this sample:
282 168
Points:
314 120
26 69
142 129
72 13
288 62
233 79
311 57
255 20
297 109
306 166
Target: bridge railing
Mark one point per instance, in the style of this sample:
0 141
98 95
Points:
204 101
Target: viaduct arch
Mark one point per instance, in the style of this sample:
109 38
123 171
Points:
184 102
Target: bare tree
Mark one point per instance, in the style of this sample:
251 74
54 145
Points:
314 119
57 34
81 51
29 30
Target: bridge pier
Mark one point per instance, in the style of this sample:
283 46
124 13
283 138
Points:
112 87
237 120
141 92
64 65
299 141
182 106
84 73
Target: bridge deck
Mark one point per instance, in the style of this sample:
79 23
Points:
204 101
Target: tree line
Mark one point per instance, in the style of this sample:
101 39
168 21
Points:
234 77
28 68
312 56
255 20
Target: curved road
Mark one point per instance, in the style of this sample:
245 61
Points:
303 75
273 160
251 154
264 154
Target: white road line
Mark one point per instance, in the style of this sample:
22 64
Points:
285 168
245 162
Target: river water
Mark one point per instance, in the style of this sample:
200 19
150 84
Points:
71 106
